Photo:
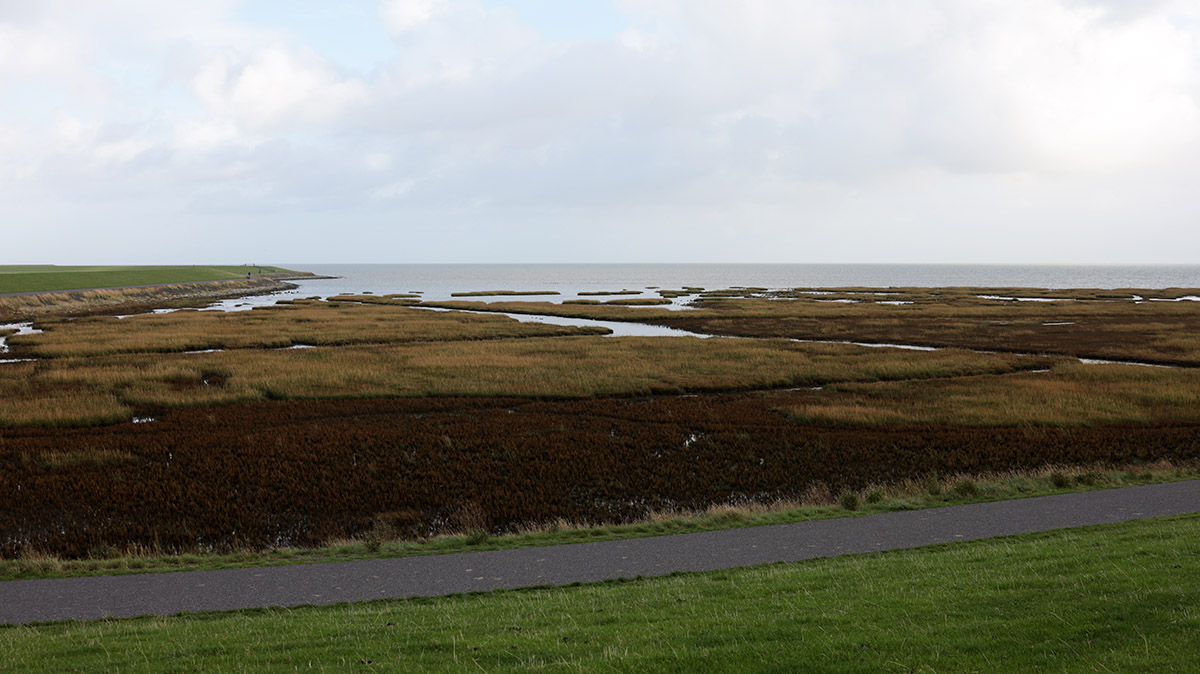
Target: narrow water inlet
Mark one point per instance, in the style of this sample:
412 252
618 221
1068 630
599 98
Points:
18 329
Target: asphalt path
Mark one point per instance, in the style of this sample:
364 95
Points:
24 601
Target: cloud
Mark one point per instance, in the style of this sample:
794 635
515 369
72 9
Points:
274 86
403 15
733 123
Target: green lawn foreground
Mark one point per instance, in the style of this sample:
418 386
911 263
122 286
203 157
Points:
1121 598
45 278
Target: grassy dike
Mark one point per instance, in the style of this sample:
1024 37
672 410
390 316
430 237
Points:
50 278
1110 598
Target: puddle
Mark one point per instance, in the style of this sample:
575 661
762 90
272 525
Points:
895 302
1185 298
1026 299
17 360
1105 361
838 301
619 328
19 329
871 345
1063 323
298 346
143 420
204 351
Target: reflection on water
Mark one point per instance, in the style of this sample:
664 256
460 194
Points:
618 328
17 329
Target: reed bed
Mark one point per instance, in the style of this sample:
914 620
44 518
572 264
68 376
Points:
1072 394
532 367
1152 331
306 322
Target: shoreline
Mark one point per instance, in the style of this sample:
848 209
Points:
32 293
16 307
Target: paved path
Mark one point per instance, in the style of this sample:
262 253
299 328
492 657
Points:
23 601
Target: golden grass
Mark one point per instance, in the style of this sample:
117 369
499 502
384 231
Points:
304 322
100 368
97 387
1071 394
62 408
1099 327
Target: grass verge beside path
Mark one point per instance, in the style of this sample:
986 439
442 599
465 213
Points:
46 278
1110 598
931 492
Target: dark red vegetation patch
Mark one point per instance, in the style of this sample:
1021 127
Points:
300 473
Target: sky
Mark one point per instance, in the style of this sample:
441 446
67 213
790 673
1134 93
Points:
407 131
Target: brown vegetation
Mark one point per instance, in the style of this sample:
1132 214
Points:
300 473
1096 325
103 388
300 322
1071 394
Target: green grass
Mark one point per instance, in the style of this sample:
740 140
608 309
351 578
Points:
931 492
1111 598
39 278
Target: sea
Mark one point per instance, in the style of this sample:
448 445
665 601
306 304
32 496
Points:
438 281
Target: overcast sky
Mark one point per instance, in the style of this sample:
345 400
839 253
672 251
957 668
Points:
291 131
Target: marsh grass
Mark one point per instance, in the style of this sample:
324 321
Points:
303 322
1071 394
391 535
1096 324
101 389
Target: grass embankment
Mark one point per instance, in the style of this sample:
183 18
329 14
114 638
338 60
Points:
1110 598
110 301
819 503
46 278
1096 325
